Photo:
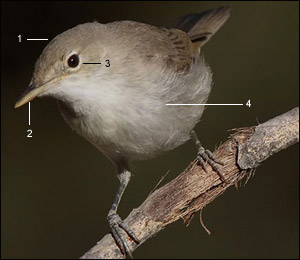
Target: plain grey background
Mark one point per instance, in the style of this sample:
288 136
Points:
57 188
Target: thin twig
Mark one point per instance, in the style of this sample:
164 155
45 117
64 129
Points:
159 182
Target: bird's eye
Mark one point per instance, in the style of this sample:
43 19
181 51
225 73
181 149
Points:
73 61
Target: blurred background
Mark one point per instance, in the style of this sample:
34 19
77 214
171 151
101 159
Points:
56 188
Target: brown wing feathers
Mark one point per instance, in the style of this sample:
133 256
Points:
191 32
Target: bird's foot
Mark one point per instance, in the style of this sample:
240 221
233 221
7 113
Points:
205 155
116 224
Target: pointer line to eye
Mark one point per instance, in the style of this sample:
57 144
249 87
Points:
91 63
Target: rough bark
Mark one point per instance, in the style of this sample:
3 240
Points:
193 189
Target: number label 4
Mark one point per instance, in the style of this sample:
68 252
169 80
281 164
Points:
248 104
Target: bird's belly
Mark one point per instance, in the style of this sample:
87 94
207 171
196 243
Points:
134 138
133 142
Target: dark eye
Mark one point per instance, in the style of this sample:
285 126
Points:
73 61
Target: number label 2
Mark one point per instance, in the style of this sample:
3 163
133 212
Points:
29 131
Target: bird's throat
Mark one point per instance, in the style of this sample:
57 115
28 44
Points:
67 110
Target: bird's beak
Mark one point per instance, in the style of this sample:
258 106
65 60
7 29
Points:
32 91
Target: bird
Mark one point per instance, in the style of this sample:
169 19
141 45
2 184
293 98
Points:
112 83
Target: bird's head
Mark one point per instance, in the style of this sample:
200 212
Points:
60 70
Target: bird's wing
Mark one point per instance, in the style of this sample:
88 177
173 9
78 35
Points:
180 49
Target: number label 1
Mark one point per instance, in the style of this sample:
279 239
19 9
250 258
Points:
248 104
19 36
29 131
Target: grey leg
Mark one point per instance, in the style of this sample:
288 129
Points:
115 222
206 155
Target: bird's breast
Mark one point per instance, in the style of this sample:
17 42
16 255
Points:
131 118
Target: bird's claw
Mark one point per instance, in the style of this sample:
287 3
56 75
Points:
205 155
116 224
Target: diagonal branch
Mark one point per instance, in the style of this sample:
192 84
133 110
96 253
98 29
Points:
193 189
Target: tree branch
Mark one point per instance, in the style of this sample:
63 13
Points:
193 189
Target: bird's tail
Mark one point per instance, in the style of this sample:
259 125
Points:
201 27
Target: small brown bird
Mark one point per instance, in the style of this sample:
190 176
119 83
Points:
119 106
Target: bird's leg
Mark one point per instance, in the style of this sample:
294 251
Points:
114 220
205 155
